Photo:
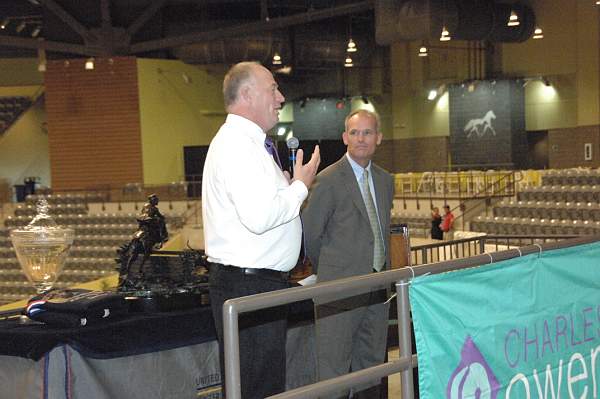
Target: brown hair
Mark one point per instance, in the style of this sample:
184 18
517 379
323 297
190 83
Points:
365 112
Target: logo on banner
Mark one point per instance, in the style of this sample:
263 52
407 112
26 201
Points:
481 126
208 386
473 378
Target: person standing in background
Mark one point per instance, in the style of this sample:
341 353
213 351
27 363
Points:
436 220
347 233
447 225
252 229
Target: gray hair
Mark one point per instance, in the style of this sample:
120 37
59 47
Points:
238 75
362 112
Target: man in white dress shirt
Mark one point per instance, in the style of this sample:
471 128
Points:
252 230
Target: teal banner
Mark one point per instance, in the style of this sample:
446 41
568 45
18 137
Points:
528 327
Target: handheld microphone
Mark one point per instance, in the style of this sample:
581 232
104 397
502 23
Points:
292 145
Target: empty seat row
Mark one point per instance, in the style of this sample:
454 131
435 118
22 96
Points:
533 226
76 251
86 229
571 177
549 210
76 263
576 193
9 298
55 209
70 276
102 240
175 221
105 229
75 198
419 224
92 252
24 288
412 220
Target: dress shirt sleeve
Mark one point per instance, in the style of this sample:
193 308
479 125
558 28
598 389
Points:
315 217
259 192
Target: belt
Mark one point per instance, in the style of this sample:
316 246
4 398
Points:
253 271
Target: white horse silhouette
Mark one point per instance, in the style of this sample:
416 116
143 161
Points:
480 126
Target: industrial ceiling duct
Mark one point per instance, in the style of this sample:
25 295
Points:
309 54
465 19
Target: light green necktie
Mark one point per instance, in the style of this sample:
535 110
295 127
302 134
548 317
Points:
378 248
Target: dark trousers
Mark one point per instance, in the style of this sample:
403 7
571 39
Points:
352 339
262 333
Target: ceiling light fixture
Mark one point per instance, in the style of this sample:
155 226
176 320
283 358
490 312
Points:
445 34
598 2
4 23
276 59
36 31
348 62
513 20
423 51
41 59
89 64
538 33
351 46
286 70
20 27
432 95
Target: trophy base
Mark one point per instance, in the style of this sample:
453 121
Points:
166 281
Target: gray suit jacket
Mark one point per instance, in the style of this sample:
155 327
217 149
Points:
338 235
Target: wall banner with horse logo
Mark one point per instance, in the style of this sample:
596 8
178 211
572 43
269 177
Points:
487 124
528 327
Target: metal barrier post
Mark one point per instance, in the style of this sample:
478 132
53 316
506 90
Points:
231 338
404 338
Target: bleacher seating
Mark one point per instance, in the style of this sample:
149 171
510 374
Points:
567 203
419 224
10 109
97 237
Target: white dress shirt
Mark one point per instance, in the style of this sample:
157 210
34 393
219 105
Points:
250 211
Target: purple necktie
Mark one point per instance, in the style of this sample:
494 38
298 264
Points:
272 150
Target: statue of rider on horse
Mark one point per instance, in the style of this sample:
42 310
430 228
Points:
151 235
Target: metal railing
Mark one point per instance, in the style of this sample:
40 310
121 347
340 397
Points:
456 185
471 186
349 286
466 247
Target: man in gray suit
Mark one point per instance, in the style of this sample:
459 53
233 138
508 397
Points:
347 229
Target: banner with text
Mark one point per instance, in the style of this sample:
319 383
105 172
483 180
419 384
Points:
527 327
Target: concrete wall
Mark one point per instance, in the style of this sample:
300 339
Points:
24 148
180 105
